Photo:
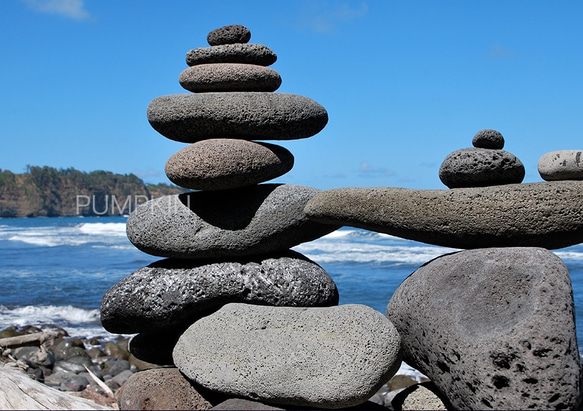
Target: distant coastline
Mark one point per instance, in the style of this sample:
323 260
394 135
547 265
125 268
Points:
50 192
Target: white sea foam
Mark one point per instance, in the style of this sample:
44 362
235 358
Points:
72 235
327 252
107 229
569 255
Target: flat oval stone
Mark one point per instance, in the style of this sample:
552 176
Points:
561 165
488 138
229 223
492 328
548 215
175 293
330 357
223 164
232 53
246 115
234 33
229 77
479 167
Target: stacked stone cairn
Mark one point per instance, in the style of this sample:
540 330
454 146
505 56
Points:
231 306
492 326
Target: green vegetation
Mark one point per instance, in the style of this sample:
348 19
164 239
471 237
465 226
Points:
51 192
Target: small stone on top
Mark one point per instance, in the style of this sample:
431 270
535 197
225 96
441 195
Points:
488 139
234 33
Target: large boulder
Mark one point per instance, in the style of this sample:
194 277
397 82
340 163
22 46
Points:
174 293
548 215
249 221
492 328
330 357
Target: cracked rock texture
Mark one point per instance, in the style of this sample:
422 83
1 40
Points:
492 328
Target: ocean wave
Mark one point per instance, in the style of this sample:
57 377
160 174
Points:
328 252
47 314
67 235
107 229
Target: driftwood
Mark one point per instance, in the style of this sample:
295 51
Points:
19 392
26 339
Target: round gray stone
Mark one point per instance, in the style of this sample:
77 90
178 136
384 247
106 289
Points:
232 53
479 167
174 293
492 328
229 77
561 165
246 115
223 164
234 33
323 357
488 138
548 215
225 224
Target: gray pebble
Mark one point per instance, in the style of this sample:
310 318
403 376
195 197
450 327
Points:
487 138
229 77
561 165
232 53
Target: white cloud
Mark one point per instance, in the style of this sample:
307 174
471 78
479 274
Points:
325 16
68 8
368 170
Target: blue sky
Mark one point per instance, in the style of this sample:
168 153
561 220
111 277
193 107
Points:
404 82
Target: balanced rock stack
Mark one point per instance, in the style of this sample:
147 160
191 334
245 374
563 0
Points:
485 164
493 327
232 306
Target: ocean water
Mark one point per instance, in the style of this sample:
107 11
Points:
56 270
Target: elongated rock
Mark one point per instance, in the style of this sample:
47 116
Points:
223 164
228 223
234 33
245 53
247 115
492 328
548 215
229 77
323 357
174 293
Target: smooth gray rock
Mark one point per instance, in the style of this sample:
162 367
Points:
234 33
232 53
492 328
175 293
548 215
223 164
229 77
230 223
324 357
479 167
247 115
488 138
561 165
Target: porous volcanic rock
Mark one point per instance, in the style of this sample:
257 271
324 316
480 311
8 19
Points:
244 53
229 223
222 164
492 328
173 293
247 115
160 389
548 215
229 77
234 33
488 138
561 165
479 167
323 357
